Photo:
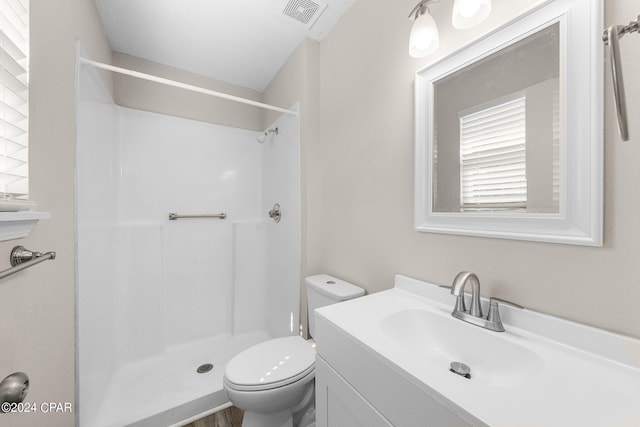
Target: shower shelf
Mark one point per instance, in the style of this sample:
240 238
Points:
15 225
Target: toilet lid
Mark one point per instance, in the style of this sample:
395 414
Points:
272 363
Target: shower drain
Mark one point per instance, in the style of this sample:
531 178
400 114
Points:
204 368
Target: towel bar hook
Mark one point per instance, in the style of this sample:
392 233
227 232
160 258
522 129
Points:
22 258
611 37
20 254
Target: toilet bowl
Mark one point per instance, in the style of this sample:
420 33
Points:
273 379
273 382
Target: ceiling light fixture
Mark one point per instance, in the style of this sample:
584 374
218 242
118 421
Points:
425 38
469 13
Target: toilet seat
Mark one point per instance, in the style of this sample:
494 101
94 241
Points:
271 364
263 387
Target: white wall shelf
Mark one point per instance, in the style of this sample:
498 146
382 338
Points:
15 225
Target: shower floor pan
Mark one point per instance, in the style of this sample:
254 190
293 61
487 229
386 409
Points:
165 390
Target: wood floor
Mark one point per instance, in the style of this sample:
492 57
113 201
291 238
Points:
230 417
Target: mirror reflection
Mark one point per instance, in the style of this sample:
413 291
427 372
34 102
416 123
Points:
497 131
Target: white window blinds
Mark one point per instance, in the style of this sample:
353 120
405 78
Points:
14 101
556 149
493 157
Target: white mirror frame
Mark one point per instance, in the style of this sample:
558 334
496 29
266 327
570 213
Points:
581 57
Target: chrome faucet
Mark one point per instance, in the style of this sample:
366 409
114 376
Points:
474 314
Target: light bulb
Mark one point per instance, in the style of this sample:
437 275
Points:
469 13
424 38
468 8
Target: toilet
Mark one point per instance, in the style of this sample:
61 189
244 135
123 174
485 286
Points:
273 382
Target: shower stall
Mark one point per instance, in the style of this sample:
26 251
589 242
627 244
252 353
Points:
162 304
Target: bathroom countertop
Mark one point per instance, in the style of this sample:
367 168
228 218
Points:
578 376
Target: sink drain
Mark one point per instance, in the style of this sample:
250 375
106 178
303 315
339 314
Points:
204 368
461 369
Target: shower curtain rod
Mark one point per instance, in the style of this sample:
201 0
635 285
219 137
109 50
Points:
185 86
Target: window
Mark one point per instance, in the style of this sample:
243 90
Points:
493 157
14 101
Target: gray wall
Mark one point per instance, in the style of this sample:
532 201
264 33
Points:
37 305
367 153
148 96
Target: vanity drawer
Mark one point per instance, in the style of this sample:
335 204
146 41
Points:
339 404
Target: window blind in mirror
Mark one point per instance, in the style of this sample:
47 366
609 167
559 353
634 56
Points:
493 157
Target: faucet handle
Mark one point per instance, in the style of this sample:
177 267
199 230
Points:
494 300
493 317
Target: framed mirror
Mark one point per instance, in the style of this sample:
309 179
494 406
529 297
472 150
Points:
509 131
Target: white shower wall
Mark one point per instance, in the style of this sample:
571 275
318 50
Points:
180 274
148 285
281 184
96 311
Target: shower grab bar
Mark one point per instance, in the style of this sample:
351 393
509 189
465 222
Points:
611 37
22 259
174 216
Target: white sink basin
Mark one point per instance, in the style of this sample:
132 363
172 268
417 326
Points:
523 376
441 340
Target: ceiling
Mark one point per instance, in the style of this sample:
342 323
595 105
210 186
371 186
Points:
243 42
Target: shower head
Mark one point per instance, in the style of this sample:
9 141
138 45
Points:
263 137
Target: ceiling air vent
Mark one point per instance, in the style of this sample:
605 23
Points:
305 12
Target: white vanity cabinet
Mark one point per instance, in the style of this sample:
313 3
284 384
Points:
339 404
384 359
355 387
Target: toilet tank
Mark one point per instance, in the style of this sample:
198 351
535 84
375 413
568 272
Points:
322 290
